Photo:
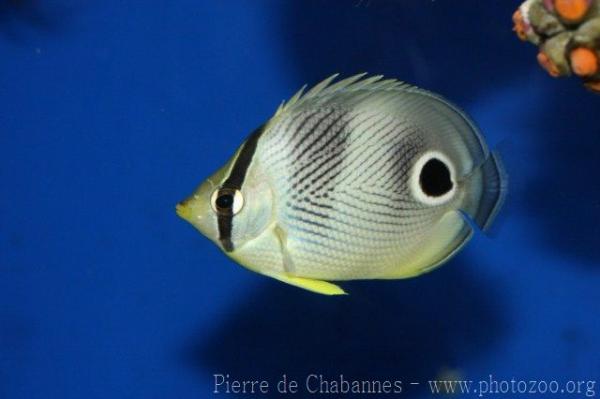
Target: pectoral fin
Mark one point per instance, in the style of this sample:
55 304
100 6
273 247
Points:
318 286
288 263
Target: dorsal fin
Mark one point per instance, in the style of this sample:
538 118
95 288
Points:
428 110
324 90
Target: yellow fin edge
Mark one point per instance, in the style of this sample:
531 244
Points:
318 286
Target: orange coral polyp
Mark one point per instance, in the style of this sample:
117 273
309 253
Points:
572 10
547 64
584 61
520 26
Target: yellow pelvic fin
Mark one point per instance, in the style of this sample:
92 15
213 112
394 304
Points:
318 286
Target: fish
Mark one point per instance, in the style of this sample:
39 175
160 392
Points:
356 179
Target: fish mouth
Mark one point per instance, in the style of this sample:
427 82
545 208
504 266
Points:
183 211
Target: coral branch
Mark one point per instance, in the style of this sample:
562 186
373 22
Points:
568 35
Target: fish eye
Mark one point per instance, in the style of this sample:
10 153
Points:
432 182
227 201
224 201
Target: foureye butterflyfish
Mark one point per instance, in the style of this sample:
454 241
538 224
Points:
365 178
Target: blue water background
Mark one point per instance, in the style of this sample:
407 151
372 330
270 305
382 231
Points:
113 111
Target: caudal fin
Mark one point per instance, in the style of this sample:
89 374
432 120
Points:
486 189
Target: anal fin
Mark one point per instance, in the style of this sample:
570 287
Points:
447 238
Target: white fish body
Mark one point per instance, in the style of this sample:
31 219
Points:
361 179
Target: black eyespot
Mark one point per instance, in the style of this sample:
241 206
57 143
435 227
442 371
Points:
435 178
224 201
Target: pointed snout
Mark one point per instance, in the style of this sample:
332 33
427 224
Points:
184 210
197 211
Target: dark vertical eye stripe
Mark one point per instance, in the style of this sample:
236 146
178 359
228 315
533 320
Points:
234 182
240 166
225 226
